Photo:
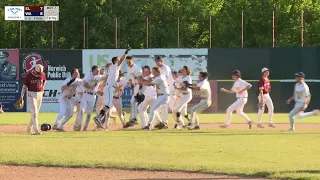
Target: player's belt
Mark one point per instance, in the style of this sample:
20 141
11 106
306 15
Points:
68 97
162 94
184 93
89 93
35 91
115 97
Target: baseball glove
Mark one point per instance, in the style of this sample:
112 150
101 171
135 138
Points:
187 84
19 104
139 97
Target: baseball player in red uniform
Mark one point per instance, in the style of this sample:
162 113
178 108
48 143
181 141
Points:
34 82
264 98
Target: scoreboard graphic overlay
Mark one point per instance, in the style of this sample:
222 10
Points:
32 13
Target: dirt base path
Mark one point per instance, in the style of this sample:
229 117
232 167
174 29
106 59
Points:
284 127
54 173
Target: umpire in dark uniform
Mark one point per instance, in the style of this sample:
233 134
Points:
8 71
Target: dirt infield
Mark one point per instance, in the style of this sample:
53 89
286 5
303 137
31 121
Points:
53 173
284 127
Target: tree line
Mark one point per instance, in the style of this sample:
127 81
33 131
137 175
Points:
167 18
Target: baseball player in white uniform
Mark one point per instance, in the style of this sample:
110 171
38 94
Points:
240 88
163 93
166 71
177 83
117 98
134 71
68 90
150 96
102 84
176 93
108 91
183 97
90 86
302 98
203 87
76 104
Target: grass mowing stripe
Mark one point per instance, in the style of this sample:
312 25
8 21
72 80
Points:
272 154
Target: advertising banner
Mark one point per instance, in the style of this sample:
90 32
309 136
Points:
57 63
195 59
10 88
57 66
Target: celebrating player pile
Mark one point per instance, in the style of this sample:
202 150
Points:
156 89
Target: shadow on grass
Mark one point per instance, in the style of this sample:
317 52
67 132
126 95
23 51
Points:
303 171
236 133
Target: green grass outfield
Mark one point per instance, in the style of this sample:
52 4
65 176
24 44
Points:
268 153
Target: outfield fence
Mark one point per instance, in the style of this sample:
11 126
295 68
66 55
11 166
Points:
283 62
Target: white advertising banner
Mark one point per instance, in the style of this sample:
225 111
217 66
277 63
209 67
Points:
50 100
195 59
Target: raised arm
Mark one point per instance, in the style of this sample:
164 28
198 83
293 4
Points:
123 57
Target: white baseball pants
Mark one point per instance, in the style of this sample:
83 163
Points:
269 103
238 105
165 109
86 106
76 105
108 92
157 104
66 111
117 103
99 104
298 113
198 108
180 105
143 107
35 100
134 103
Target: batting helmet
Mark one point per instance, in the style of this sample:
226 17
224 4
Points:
45 127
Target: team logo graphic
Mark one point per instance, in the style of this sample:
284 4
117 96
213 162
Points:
14 13
31 60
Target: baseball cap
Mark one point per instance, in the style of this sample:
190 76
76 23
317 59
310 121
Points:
38 68
158 58
264 70
236 72
299 74
146 67
174 72
4 54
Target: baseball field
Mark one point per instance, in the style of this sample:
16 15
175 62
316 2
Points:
209 153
